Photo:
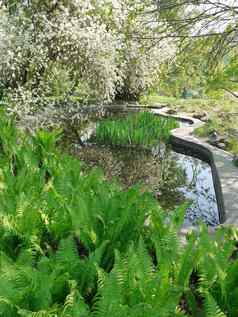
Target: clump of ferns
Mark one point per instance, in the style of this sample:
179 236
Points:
76 245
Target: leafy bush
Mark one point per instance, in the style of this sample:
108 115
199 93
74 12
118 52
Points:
143 128
72 244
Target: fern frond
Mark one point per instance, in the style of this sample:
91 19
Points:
211 307
74 305
108 299
51 312
7 307
67 252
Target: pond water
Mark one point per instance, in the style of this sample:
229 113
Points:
171 176
199 188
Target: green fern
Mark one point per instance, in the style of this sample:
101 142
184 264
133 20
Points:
72 244
212 308
74 305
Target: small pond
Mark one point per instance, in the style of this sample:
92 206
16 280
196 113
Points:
172 177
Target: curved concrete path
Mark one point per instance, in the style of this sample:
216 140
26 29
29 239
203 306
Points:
227 172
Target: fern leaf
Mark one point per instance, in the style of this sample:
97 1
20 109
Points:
211 307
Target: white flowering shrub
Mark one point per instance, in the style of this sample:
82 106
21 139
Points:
82 50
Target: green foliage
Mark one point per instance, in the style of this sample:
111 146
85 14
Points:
140 129
186 75
225 77
57 82
72 244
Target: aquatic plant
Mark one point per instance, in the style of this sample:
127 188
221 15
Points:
143 128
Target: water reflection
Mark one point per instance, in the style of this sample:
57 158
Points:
199 188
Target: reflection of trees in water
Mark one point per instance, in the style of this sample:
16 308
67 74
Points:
199 189
131 166
173 176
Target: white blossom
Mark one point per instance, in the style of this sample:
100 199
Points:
91 49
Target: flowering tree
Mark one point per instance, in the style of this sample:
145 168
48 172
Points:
84 49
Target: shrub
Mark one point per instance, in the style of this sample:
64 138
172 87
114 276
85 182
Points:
81 49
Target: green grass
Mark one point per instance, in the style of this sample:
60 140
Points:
183 104
141 129
192 104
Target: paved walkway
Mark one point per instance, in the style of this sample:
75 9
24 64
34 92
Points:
228 174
